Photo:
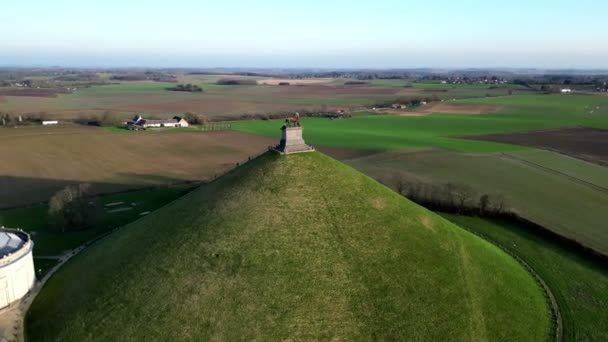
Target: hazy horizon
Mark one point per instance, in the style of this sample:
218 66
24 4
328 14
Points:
272 34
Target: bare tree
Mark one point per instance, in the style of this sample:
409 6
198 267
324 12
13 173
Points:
449 190
500 203
484 203
463 193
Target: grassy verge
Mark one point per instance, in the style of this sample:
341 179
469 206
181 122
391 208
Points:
579 283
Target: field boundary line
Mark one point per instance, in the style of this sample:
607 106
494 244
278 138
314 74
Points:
555 172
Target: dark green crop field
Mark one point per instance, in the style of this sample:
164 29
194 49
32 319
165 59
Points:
518 113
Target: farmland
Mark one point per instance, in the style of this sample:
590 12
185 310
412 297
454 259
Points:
518 113
450 141
153 98
552 198
38 161
564 194
584 143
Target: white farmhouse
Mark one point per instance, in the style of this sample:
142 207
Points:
49 122
566 90
139 123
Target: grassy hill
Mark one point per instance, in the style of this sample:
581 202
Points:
291 247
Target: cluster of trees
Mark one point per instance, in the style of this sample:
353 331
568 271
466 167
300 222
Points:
451 197
7 119
356 83
321 112
192 88
408 101
195 119
157 76
230 81
550 89
105 119
109 119
73 208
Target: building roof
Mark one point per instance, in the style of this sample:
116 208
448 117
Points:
138 120
10 243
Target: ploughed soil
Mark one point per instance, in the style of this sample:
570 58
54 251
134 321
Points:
307 90
590 144
444 108
42 160
276 81
30 92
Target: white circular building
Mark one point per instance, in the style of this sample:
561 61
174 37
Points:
17 274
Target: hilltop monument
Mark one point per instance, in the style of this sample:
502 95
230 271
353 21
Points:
292 140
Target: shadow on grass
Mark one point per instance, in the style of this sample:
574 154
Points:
114 209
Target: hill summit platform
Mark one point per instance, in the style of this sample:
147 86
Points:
292 141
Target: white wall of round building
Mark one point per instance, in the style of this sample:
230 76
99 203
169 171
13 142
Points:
17 274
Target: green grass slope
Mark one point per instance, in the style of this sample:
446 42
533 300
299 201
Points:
296 247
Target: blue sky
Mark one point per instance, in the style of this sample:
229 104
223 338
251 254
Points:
314 33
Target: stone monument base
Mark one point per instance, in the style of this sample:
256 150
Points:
292 141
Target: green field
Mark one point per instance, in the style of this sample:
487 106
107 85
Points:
554 200
579 284
300 247
561 193
520 113
567 166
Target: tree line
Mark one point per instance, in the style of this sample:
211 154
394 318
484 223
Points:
192 88
454 197
230 81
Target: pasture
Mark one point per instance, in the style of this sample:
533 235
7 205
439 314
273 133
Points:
579 284
38 161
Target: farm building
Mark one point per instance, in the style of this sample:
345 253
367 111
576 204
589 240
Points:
50 122
16 265
566 90
139 123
